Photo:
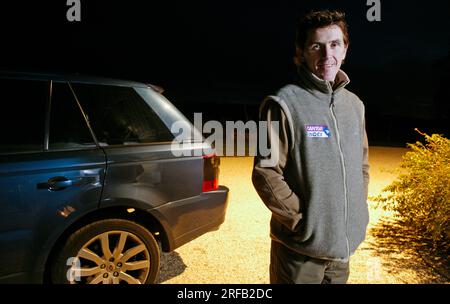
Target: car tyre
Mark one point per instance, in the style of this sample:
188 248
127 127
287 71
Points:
112 251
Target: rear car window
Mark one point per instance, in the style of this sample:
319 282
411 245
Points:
68 129
178 124
119 116
22 115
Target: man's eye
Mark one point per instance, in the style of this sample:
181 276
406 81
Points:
335 44
315 47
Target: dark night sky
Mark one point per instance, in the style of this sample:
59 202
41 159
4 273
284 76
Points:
236 52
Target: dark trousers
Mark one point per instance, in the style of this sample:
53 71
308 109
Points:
290 267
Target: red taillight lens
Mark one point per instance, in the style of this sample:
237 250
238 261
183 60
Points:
210 185
210 172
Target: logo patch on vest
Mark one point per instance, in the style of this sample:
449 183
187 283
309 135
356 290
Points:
321 131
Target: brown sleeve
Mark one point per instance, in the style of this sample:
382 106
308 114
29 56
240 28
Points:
269 182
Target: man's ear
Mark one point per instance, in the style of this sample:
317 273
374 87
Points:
298 56
344 55
345 52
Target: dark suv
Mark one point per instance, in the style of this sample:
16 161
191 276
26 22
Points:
90 187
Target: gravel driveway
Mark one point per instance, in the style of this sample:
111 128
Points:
239 251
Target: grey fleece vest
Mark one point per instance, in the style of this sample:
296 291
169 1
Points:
325 167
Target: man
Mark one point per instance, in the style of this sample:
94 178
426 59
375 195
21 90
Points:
317 191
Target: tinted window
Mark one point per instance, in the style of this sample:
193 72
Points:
180 126
22 115
68 129
119 115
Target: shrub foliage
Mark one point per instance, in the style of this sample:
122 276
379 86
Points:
420 195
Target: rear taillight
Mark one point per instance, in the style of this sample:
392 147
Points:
210 172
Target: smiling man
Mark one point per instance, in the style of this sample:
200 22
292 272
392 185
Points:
317 191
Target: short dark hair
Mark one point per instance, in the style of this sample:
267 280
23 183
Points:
318 19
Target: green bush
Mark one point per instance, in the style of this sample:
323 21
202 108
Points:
420 195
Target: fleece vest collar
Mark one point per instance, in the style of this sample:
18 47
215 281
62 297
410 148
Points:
319 87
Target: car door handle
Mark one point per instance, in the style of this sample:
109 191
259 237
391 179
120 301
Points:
60 182
56 183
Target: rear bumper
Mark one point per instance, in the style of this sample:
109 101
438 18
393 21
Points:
187 219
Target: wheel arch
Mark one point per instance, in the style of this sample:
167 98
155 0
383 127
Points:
142 217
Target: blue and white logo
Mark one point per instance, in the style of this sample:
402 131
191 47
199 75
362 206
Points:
321 131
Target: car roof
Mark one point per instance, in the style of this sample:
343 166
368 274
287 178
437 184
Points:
61 77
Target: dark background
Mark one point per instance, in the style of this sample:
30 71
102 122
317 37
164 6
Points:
222 57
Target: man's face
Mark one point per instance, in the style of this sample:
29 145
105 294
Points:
324 51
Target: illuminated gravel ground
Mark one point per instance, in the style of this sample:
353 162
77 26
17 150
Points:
239 251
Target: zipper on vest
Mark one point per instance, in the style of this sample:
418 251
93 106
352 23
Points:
344 175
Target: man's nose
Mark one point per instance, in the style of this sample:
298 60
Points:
326 51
